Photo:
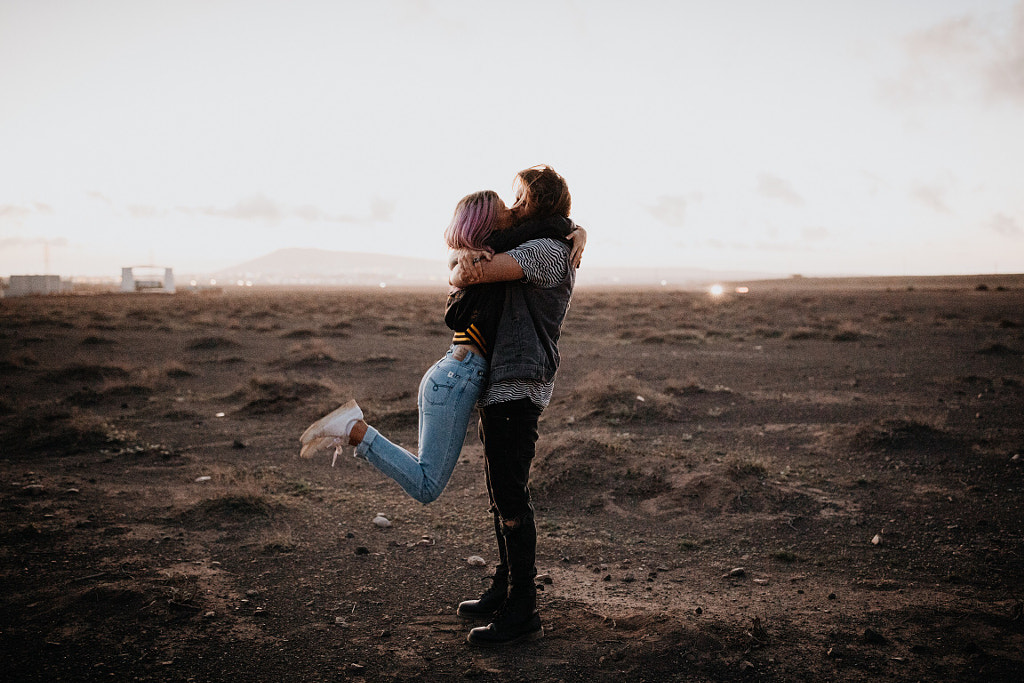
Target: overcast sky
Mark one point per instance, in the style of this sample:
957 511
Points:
829 137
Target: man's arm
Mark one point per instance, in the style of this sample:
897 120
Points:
501 268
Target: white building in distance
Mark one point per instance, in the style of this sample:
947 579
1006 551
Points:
147 279
28 285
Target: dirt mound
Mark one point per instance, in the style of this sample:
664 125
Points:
86 373
899 434
568 465
228 510
56 432
212 343
618 397
275 394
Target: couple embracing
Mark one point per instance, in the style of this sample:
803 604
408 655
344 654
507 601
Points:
512 275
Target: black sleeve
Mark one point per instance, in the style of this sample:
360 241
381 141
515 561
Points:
467 305
554 227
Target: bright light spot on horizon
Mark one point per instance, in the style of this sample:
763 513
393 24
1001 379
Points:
716 290
742 290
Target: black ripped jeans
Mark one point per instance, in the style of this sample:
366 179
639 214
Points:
509 434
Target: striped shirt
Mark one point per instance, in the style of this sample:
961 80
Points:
545 263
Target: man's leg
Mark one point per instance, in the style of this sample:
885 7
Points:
510 431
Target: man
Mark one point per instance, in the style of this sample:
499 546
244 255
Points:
539 276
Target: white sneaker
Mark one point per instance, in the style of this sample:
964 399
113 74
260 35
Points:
333 427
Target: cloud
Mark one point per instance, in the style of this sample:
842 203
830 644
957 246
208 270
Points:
670 210
100 197
16 213
381 210
141 211
16 242
1006 226
259 207
12 212
774 187
255 208
931 196
962 57
1006 70
814 234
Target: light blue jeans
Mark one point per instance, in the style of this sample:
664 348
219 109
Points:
448 392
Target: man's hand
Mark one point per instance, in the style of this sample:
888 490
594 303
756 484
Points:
579 241
470 260
496 268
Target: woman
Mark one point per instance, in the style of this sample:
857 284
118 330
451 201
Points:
449 389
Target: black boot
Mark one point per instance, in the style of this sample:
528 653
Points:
488 603
517 620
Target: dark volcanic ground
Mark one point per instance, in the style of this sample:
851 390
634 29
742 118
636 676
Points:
814 482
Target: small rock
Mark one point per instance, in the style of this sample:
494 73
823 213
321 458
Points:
544 578
1016 457
745 665
761 582
737 571
209 615
876 540
71 492
340 621
205 477
238 444
476 561
607 577
831 596
699 611
362 550
381 521
628 578
33 489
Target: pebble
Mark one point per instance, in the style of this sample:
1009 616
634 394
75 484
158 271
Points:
381 521
205 477
877 540
737 571
476 561
33 489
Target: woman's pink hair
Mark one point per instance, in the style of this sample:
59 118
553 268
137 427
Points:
474 219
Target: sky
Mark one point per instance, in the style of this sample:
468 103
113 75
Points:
837 137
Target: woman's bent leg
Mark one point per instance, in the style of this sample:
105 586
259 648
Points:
447 395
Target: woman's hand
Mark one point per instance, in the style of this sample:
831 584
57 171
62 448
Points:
579 241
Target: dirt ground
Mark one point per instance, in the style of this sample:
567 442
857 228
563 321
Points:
817 481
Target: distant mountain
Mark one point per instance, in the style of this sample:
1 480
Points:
340 268
323 267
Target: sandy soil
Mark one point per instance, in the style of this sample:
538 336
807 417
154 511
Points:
809 482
